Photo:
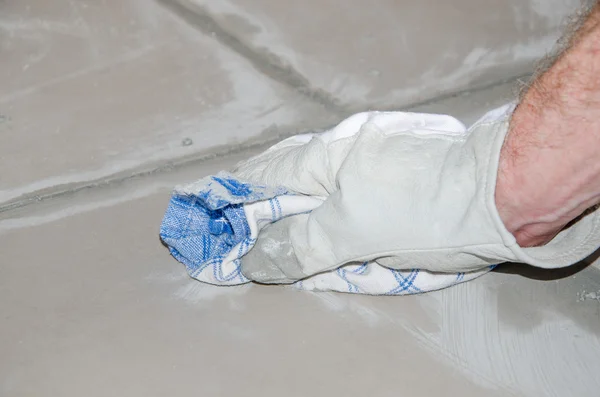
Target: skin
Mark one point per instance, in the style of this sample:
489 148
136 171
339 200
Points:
549 171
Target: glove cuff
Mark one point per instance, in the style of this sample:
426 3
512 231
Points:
570 246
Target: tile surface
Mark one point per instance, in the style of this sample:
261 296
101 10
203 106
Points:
392 53
90 89
92 304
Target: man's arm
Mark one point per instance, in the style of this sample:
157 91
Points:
550 163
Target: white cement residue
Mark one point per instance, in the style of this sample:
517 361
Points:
273 248
194 291
197 292
591 295
338 303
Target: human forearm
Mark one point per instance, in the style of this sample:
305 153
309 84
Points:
549 173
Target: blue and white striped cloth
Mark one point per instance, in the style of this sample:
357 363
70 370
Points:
212 223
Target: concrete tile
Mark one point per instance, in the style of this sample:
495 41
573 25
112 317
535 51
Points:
90 89
92 304
393 53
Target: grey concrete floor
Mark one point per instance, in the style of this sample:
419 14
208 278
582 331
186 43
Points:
92 304
97 99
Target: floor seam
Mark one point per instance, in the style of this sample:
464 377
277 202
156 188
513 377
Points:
163 167
263 60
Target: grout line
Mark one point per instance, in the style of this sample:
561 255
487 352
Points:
143 171
263 60
466 91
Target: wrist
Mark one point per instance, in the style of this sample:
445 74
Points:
548 172
539 190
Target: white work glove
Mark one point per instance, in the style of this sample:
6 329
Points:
405 190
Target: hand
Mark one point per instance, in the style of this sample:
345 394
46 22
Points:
405 190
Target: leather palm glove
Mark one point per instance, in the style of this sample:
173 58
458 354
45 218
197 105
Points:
405 190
